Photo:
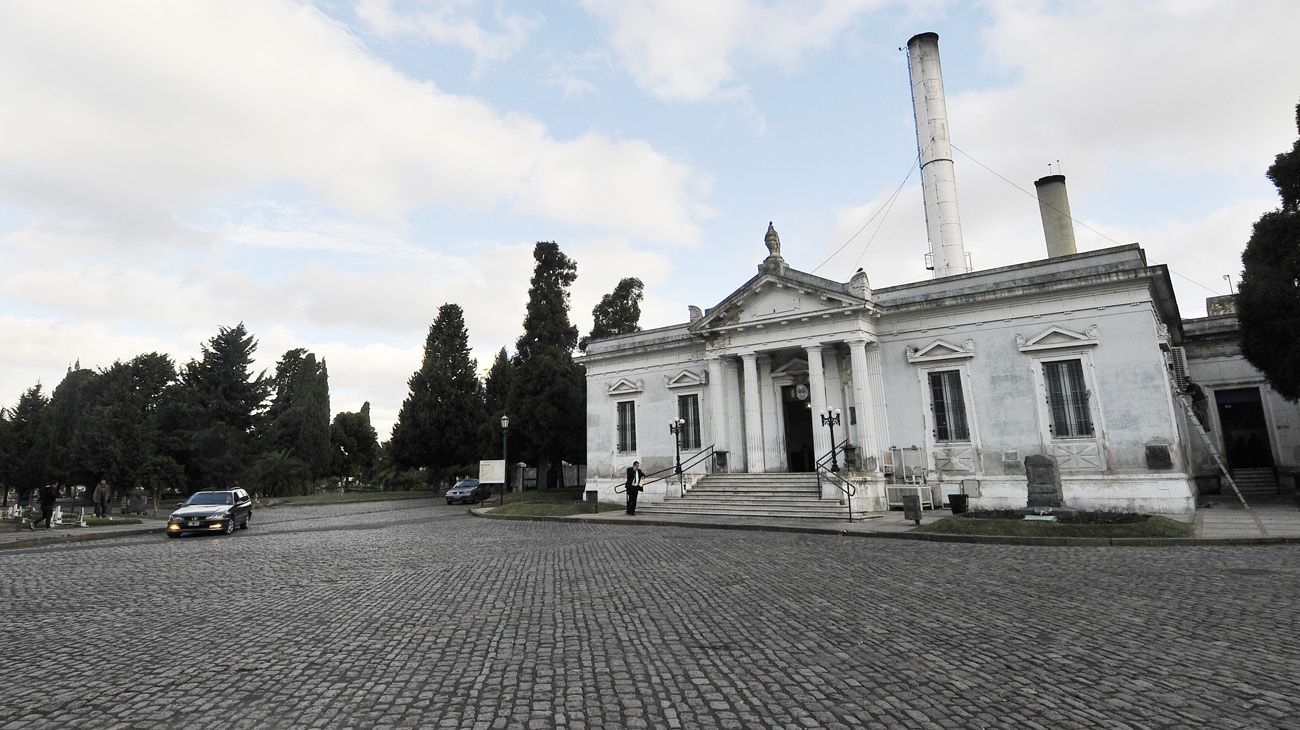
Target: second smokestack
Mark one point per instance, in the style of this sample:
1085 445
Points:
1054 207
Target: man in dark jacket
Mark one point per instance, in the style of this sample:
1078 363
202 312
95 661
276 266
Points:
634 477
49 495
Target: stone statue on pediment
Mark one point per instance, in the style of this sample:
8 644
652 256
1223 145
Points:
773 241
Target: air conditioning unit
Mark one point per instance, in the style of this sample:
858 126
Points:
1177 359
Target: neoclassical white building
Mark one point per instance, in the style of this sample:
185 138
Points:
1065 357
955 384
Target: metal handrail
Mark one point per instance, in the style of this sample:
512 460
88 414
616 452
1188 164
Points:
849 489
841 447
671 471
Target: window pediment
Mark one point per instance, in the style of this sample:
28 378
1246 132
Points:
687 379
1056 338
940 350
624 387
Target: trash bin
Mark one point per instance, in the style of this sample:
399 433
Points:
590 498
957 502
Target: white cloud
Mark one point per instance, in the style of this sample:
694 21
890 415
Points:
170 107
1132 114
452 22
689 50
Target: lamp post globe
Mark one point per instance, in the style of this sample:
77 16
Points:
505 459
831 419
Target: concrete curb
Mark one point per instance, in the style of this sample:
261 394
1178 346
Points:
63 537
924 536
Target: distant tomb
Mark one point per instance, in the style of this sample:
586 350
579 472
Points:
1044 481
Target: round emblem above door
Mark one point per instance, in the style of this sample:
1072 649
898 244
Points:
801 391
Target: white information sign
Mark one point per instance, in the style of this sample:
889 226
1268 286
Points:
492 471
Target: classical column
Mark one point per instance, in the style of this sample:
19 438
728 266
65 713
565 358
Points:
817 385
769 404
862 404
753 416
876 381
717 404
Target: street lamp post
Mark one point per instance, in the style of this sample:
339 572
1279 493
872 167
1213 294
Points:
831 418
505 440
675 428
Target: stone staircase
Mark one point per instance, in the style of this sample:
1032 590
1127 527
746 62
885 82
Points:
1256 482
793 495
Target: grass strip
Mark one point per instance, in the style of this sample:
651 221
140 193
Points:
1150 527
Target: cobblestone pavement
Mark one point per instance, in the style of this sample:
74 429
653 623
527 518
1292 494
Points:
421 616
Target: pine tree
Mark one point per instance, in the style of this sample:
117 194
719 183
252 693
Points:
547 404
618 313
69 404
298 420
30 437
214 410
437 426
1268 300
355 445
496 391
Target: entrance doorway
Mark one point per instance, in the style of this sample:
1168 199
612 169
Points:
796 414
1245 432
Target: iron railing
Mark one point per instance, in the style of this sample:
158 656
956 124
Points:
703 456
849 489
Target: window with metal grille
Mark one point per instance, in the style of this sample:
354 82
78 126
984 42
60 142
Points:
627 425
688 409
1067 399
948 406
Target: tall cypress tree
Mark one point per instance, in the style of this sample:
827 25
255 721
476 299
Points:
1268 300
298 419
548 392
618 312
437 426
496 392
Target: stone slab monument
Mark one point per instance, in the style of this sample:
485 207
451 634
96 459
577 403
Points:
1044 481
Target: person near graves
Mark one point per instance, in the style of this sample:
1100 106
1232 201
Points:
101 497
634 477
49 495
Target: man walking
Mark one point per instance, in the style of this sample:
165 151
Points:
49 494
634 477
101 497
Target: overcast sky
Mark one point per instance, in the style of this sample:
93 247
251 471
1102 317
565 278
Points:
330 173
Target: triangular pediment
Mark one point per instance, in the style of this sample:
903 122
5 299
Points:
623 386
796 366
687 379
775 298
1054 338
941 350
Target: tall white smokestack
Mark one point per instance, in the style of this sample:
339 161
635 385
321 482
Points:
1054 207
938 178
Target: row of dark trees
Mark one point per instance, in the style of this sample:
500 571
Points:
215 423
212 423
451 419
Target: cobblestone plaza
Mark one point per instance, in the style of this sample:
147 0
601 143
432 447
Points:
394 615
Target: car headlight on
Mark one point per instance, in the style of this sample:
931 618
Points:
218 517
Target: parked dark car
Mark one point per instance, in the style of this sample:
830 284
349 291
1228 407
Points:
468 491
212 511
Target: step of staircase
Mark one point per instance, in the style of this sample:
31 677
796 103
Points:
787 496
1256 481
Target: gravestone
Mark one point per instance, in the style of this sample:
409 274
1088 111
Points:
1044 481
